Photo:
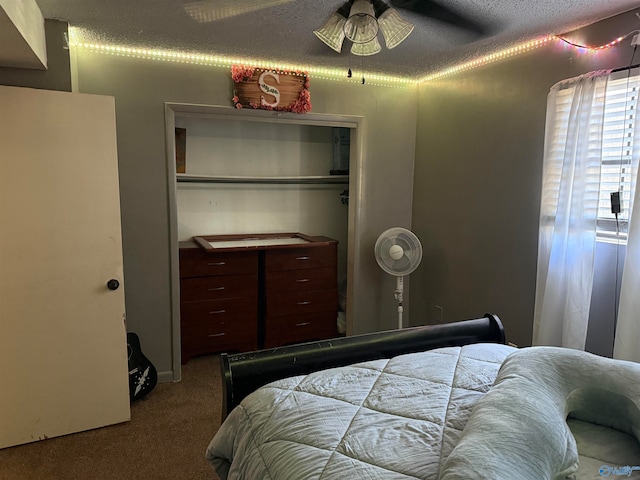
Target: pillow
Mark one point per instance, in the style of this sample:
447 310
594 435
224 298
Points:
519 429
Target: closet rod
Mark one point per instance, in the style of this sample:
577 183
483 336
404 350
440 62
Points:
341 179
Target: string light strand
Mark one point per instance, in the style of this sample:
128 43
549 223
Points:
599 47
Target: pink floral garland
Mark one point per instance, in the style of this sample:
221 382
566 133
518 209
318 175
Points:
240 73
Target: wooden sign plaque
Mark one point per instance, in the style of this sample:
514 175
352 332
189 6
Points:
268 89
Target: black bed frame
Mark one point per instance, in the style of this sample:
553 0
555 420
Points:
245 372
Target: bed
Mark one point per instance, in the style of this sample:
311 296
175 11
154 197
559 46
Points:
446 402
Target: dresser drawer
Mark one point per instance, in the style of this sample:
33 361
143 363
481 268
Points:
299 328
219 287
205 332
198 263
239 335
288 281
300 303
218 310
301 257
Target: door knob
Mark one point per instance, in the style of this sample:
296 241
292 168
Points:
113 284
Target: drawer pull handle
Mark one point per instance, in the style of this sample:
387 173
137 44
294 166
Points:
216 264
215 312
304 303
302 280
303 258
303 324
216 335
216 289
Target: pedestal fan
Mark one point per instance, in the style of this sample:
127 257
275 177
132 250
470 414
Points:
398 252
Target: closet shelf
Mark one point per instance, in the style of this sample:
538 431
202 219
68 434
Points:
320 179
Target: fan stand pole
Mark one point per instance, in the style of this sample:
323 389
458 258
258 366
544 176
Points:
398 295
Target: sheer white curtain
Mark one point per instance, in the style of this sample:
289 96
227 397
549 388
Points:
627 339
569 209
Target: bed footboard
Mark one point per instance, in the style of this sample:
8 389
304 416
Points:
245 372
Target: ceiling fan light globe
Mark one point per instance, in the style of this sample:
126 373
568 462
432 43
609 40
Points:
395 29
332 32
361 26
364 49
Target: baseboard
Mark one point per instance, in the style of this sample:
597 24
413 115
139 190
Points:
165 377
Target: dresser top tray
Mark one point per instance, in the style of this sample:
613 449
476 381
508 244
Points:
259 241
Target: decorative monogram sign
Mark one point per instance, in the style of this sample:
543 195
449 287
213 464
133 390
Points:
269 89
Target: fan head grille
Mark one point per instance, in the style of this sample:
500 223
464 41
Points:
387 251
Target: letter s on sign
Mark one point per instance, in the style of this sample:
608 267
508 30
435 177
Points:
268 89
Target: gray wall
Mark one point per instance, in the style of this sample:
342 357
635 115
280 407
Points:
141 87
58 74
478 174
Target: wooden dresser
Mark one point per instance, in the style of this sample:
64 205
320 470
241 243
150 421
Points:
243 292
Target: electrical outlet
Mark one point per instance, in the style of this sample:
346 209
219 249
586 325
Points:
635 40
436 314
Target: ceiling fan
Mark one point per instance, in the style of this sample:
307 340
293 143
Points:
205 11
360 20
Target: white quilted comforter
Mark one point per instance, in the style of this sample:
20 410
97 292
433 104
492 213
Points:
397 418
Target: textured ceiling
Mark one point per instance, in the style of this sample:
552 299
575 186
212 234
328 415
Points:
282 30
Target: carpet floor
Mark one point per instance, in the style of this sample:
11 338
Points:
166 438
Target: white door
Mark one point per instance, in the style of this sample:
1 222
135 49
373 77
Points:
63 352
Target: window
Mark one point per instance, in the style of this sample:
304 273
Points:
592 149
619 167
614 153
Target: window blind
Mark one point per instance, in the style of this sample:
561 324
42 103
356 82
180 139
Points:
619 153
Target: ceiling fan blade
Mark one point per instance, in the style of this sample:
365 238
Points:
205 11
435 10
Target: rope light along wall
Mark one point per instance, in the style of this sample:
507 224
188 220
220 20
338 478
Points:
518 49
176 56
491 58
336 74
